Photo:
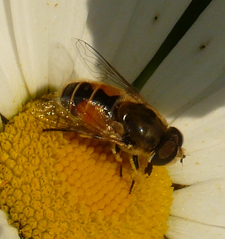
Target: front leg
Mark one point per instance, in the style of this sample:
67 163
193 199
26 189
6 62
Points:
135 161
116 151
148 169
135 165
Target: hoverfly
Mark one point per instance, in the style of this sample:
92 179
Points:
111 109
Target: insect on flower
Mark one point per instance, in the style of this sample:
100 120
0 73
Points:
111 109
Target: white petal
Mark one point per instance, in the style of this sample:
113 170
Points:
13 91
189 71
31 38
126 32
203 124
37 28
200 166
67 20
202 202
7 231
103 26
60 67
204 137
185 229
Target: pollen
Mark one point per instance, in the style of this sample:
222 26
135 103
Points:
56 185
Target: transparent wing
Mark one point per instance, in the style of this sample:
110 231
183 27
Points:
59 118
102 70
51 113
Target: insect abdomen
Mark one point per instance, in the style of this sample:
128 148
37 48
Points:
81 93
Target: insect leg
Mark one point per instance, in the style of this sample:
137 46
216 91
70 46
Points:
117 151
52 129
136 163
121 170
131 187
182 159
148 169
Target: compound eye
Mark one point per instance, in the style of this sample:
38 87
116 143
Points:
167 149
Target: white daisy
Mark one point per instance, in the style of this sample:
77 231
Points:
188 87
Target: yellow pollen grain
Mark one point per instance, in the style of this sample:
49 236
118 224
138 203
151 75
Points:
58 185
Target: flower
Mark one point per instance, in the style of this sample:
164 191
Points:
34 30
62 185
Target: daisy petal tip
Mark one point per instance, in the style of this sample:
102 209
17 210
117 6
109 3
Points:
202 202
180 228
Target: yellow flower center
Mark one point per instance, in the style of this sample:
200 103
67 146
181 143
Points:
59 185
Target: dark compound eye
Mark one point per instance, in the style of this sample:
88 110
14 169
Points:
168 148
